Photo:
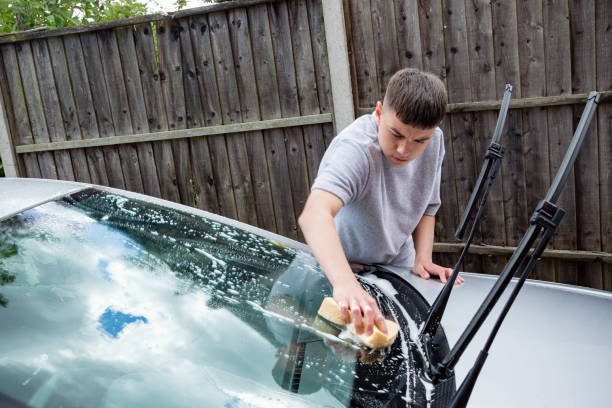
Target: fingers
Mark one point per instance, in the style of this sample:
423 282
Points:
421 272
365 316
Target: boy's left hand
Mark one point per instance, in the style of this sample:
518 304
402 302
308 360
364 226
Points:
426 269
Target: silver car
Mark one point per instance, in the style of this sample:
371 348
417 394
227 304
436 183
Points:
115 299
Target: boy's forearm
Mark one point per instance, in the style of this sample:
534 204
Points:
320 233
423 237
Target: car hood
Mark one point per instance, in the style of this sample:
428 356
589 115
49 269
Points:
553 350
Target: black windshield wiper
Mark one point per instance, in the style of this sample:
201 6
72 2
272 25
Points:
479 196
543 223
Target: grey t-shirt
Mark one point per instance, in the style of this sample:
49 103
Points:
382 204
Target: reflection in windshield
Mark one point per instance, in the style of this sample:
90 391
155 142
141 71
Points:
117 302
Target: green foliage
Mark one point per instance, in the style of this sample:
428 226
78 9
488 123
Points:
19 15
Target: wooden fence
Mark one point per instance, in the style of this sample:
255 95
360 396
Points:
229 108
226 108
553 53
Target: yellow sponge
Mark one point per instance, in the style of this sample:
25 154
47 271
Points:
330 311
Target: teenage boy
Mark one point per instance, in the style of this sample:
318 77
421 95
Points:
377 192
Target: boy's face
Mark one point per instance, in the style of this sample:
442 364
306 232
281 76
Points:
400 143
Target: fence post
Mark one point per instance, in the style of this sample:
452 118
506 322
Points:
7 152
339 68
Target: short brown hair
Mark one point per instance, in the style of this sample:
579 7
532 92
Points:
417 97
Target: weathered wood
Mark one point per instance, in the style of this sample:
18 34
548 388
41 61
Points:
385 40
459 90
213 114
432 30
535 126
249 108
265 74
137 108
16 107
204 193
323 75
33 101
364 57
54 128
7 122
560 126
155 111
171 71
559 254
85 116
507 71
67 108
225 62
603 47
119 108
584 66
314 141
408 34
484 87
287 86
100 104
106 25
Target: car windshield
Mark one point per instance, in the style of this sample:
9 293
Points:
108 301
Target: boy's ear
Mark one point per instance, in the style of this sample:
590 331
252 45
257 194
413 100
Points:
378 112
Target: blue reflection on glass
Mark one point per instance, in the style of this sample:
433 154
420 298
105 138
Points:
103 267
113 321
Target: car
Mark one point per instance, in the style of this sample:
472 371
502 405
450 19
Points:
111 298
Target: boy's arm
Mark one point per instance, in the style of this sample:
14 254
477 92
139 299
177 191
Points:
423 237
317 224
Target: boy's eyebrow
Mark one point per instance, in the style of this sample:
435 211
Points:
421 139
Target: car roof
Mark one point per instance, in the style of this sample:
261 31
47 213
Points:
554 346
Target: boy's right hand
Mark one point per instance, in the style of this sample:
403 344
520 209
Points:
358 307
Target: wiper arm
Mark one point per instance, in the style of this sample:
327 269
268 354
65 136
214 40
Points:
487 174
543 223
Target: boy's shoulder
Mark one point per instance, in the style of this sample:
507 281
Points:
361 133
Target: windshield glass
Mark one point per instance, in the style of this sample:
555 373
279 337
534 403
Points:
108 301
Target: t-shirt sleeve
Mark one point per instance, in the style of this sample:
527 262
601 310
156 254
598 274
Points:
343 172
434 200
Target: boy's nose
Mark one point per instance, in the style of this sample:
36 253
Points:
402 148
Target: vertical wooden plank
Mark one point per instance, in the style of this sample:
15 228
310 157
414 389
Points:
18 109
409 49
171 71
432 30
119 108
204 192
67 108
584 67
269 104
535 126
207 83
85 114
249 109
560 126
459 90
136 105
33 101
150 79
53 126
13 167
507 71
306 85
289 105
484 87
385 39
364 55
230 113
433 56
100 104
603 45
319 45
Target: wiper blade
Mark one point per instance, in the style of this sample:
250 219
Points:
479 195
543 223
